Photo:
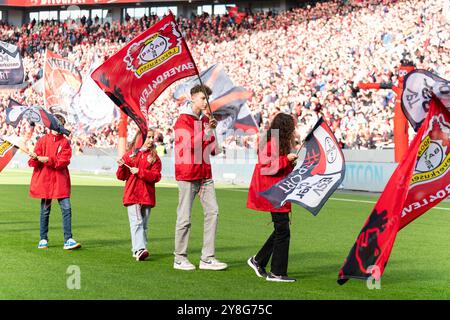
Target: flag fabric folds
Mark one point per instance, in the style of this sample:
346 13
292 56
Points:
138 73
420 181
91 108
314 179
228 102
34 114
11 65
62 81
7 152
418 88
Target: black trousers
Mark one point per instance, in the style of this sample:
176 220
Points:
277 245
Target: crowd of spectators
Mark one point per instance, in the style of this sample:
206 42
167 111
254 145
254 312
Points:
305 61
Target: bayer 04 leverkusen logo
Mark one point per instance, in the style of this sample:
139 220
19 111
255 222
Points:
154 50
433 157
5 146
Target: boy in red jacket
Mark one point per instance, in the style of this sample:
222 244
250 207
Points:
143 171
51 180
194 142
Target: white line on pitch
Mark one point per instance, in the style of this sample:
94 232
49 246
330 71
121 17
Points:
361 201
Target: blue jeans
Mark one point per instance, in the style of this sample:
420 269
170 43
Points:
66 210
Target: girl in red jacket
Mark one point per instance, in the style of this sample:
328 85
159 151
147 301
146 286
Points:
141 170
275 162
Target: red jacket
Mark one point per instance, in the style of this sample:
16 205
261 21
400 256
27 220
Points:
51 180
270 169
140 187
193 146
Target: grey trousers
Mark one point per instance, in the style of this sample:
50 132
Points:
138 216
187 190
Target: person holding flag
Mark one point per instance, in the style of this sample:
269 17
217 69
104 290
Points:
194 143
51 180
275 162
141 169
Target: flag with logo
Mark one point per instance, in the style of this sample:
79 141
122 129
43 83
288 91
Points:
138 73
15 112
420 181
314 179
418 88
91 107
7 152
62 81
11 66
228 102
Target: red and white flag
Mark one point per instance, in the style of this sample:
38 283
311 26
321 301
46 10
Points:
7 152
62 81
137 74
421 181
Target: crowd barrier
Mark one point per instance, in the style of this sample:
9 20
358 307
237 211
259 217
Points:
366 170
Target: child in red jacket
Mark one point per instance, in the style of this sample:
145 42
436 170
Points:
51 180
141 170
275 162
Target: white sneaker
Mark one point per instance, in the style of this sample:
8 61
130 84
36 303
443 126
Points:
71 244
183 265
43 244
212 264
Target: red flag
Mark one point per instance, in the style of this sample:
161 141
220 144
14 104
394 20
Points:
422 174
430 182
62 81
7 152
137 74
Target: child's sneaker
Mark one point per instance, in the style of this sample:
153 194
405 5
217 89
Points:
212 264
141 255
43 244
260 271
71 244
275 278
183 265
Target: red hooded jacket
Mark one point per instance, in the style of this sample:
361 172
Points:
270 169
193 146
51 180
140 187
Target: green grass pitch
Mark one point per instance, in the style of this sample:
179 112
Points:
419 267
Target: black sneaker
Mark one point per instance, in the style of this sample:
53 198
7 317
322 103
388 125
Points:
275 278
260 271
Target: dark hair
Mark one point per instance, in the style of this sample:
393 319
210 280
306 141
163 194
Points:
201 88
285 124
60 119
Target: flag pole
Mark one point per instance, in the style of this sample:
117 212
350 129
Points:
211 117
106 153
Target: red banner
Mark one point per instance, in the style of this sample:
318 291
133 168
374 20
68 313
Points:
137 74
62 81
46 3
7 152
422 175
430 183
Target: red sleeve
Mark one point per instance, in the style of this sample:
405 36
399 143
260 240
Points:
186 135
151 174
183 133
62 158
38 150
123 172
